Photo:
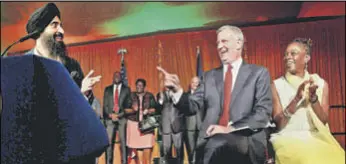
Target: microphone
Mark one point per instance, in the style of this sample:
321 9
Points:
29 36
32 34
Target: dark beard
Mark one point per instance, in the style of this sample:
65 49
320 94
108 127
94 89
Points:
56 48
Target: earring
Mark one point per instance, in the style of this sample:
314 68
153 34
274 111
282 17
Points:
306 66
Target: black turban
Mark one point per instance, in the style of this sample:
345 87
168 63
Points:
40 19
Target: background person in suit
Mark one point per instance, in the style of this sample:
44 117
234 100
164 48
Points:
172 127
192 123
237 100
114 103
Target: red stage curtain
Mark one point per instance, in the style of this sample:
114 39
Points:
264 45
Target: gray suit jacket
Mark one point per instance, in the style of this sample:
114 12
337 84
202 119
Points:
172 119
193 122
251 102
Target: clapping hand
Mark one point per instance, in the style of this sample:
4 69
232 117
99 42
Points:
301 88
145 112
312 89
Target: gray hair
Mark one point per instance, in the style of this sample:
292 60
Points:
196 77
236 31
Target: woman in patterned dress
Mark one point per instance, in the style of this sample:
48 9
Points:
143 105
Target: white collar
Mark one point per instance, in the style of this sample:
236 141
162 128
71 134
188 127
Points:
235 64
36 52
115 85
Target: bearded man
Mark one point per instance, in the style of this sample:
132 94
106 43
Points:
49 43
44 117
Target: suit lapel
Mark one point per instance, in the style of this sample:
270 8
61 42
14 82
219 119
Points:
121 94
243 74
112 96
218 77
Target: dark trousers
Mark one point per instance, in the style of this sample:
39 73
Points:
112 129
232 148
190 140
176 139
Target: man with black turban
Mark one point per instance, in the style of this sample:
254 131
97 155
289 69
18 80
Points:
46 21
44 117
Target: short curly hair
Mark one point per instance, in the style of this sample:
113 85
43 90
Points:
141 80
306 42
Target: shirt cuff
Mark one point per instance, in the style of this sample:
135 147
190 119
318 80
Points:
230 123
160 101
176 96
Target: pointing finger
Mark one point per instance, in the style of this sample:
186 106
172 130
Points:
162 70
89 74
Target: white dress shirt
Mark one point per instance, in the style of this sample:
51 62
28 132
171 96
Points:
114 88
235 69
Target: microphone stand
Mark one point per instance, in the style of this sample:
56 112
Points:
9 47
22 40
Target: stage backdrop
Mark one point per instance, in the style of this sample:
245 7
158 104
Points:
264 45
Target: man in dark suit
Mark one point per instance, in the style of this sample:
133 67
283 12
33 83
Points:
113 114
192 124
237 101
171 127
